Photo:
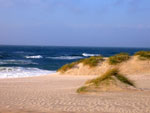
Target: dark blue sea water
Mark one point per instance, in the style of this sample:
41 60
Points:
21 61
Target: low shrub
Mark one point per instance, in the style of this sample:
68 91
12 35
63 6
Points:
118 58
143 55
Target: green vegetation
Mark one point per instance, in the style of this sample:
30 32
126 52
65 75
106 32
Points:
91 61
109 75
143 55
118 58
67 67
106 78
124 79
82 89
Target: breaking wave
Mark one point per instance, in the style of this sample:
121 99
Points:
34 57
21 62
17 72
66 57
88 55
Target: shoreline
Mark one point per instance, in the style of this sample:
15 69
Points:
55 93
41 75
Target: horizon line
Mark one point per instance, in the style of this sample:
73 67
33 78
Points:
72 46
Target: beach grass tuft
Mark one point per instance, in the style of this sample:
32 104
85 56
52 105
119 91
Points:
118 58
106 78
143 55
67 67
124 79
91 61
82 89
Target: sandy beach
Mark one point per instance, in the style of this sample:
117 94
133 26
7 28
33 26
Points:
74 56
57 94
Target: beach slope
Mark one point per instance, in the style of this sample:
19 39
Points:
57 94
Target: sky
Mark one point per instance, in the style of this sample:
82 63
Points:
103 23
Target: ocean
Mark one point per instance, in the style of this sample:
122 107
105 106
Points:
25 61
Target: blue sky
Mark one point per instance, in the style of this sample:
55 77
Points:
116 23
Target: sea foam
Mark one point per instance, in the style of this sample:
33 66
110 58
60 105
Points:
34 57
17 72
21 62
88 55
66 57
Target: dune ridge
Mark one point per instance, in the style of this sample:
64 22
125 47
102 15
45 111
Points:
133 66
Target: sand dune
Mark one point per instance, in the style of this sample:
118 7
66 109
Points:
133 66
57 94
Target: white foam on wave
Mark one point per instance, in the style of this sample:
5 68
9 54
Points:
66 57
34 57
21 62
17 72
88 55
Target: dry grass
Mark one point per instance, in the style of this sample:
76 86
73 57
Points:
82 89
106 79
67 67
143 55
112 61
108 75
118 58
91 61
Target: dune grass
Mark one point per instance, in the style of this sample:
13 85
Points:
91 61
143 55
118 58
67 67
82 89
106 77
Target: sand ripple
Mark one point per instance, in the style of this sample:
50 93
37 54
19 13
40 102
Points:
57 94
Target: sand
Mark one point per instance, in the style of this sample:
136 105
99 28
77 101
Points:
133 66
57 94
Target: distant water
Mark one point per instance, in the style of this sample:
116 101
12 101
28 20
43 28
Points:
22 61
